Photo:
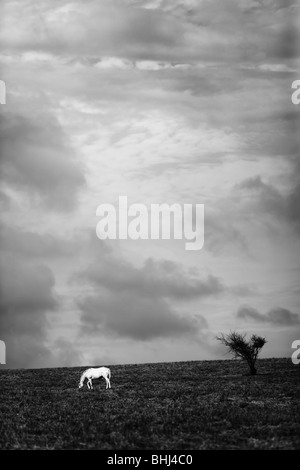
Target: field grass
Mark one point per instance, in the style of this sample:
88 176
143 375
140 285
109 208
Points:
165 406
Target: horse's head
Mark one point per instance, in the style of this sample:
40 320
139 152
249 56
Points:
80 385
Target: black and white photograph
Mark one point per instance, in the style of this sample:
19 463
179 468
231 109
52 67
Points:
150 228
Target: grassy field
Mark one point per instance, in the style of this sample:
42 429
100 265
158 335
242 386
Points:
165 406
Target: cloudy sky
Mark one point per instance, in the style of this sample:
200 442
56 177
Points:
182 101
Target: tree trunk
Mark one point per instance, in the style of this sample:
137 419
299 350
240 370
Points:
253 370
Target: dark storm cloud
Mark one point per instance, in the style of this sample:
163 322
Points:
285 44
137 302
135 316
37 160
26 295
266 199
103 28
171 31
154 278
26 289
276 132
264 30
33 245
223 234
276 316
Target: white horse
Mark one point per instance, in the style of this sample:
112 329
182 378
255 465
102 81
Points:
93 373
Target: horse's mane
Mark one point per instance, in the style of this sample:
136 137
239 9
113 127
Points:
83 373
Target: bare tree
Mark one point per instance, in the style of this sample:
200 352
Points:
243 349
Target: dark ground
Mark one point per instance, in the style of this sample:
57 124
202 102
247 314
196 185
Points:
165 406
